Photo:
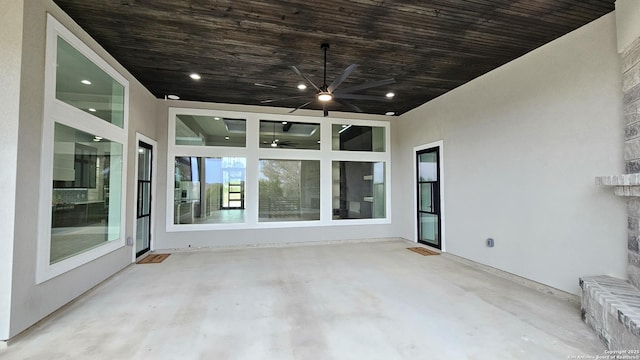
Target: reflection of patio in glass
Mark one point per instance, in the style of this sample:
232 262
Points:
69 241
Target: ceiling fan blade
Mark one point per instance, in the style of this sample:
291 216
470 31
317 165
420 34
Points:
360 97
282 99
324 110
265 85
300 107
295 69
349 105
342 76
366 86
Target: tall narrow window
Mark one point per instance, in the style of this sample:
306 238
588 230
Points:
83 164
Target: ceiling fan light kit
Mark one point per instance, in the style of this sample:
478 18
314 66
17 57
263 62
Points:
327 93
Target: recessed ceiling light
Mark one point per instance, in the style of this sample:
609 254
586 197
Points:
173 97
302 87
274 144
141 151
226 138
86 82
217 118
390 95
92 109
284 123
390 113
99 137
195 76
276 140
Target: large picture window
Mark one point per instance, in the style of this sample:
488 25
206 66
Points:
209 190
289 190
81 215
281 171
360 190
87 174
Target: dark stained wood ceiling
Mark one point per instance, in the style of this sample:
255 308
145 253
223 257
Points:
429 47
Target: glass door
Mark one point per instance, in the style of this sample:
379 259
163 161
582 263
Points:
428 181
143 212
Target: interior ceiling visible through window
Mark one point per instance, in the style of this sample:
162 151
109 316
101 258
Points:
243 50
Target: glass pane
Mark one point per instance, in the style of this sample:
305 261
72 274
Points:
196 130
358 138
358 190
142 233
144 163
218 196
87 188
428 166
83 85
289 135
429 228
289 190
146 198
426 194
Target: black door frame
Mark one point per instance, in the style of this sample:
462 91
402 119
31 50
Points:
139 184
435 200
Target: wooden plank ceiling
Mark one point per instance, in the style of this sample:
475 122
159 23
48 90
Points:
428 47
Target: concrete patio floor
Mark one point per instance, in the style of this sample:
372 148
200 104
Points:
354 300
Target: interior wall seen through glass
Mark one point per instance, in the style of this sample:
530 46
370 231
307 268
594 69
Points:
85 86
209 190
289 190
358 138
289 135
198 130
86 192
358 190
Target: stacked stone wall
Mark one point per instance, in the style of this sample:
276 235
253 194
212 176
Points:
631 103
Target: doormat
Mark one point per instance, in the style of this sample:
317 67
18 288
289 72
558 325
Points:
153 259
423 251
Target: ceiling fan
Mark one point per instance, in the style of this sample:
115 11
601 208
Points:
327 93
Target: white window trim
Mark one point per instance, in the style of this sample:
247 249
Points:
252 152
154 175
440 145
56 111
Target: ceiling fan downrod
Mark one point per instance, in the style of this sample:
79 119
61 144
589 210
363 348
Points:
324 94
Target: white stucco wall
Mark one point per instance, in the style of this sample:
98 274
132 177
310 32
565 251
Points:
522 145
10 58
31 302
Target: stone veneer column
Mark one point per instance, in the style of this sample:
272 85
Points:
631 102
